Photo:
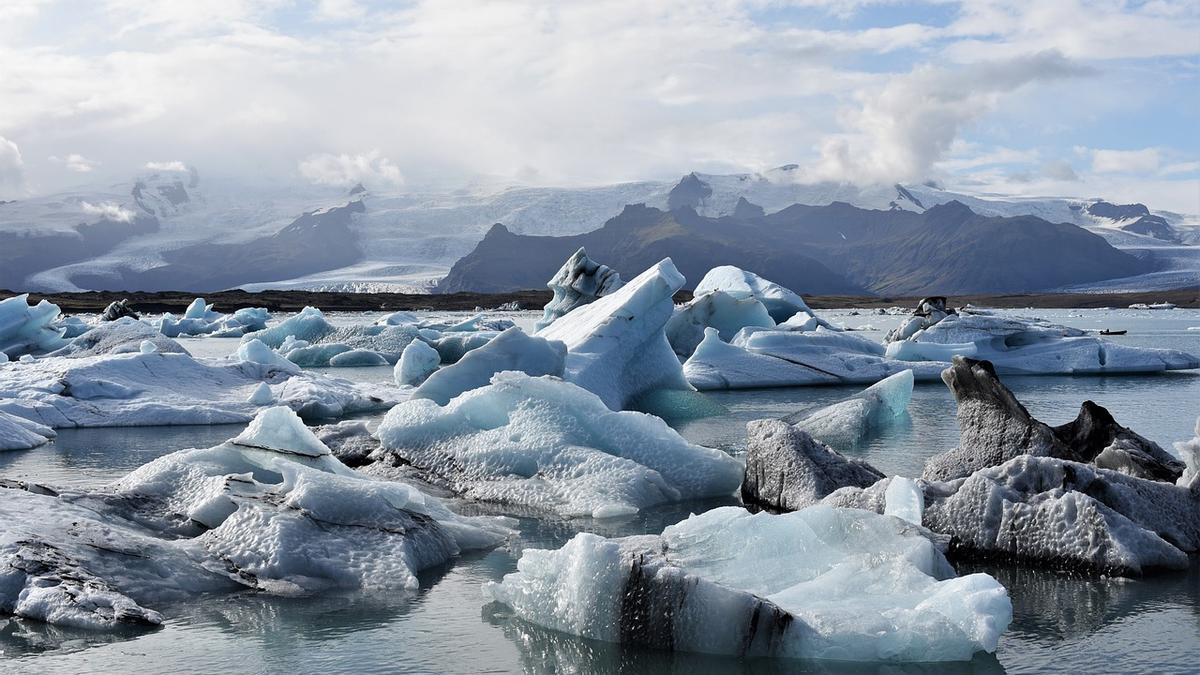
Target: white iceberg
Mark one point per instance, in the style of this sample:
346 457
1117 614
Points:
822 583
18 433
716 309
548 445
510 350
779 358
121 336
578 282
375 345
153 389
417 362
848 423
616 347
781 303
201 319
309 325
26 329
1188 452
1023 346
271 510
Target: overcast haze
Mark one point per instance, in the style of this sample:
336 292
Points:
1073 99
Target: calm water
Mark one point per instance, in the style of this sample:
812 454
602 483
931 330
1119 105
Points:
1061 621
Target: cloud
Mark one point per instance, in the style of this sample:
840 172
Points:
173 165
1146 160
1059 169
75 162
12 167
107 210
369 168
900 131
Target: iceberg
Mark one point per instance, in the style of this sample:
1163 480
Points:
548 445
1188 452
616 347
848 423
26 329
821 583
578 282
417 362
719 310
309 325
994 427
1042 510
201 319
358 358
781 358
137 389
511 350
18 433
781 303
271 510
120 336
1022 346
375 345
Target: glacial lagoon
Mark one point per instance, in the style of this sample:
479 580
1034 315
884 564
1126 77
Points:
1091 623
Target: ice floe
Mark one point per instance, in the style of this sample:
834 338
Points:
821 583
546 444
781 303
715 309
616 347
848 423
1027 346
26 329
18 433
201 319
120 336
417 362
271 510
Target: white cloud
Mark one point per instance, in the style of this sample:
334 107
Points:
174 165
75 162
1146 160
1059 169
900 131
12 168
369 168
107 210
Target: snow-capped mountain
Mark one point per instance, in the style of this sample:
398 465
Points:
186 231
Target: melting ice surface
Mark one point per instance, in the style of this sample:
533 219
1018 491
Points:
1092 624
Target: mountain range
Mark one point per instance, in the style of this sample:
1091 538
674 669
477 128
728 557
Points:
173 230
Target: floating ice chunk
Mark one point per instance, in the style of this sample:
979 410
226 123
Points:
358 358
616 347
417 363
282 430
994 427
201 310
453 346
262 395
1189 453
255 351
309 325
25 329
18 433
1028 346
821 583
578 282
250 319
398 319
777 358
27 358
905 499
546 444
3 357
72 326
781 303
848 423
787 469
510 350
121 336
147 347
154 389
718 310
305 355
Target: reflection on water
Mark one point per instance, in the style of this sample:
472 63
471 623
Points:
1060 621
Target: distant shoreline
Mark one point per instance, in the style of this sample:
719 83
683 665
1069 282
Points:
288 300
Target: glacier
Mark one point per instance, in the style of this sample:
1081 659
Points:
545 444
271 510
820 583
616 347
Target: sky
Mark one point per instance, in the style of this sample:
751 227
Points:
1050 98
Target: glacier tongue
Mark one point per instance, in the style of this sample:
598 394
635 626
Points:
821 583
616 347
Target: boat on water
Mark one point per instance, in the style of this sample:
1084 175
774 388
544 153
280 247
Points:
1113 332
